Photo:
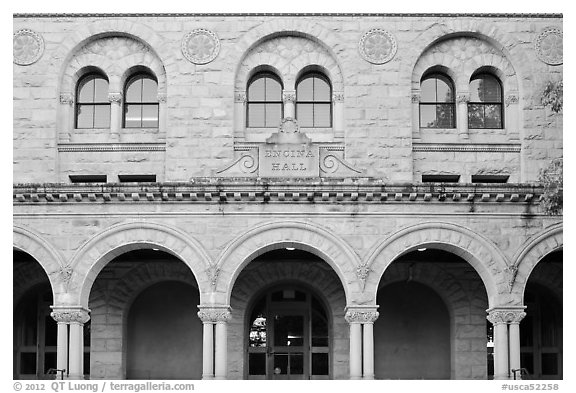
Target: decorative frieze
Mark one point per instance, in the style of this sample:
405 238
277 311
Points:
28 47
548 46
361 316
214 315
377 46
200 46
106 147
466 147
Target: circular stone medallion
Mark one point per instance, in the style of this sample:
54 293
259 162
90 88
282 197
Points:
549 46
28 47
377 46
200 46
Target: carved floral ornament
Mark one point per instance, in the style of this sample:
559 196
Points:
377 46
353 316
200 46
505 316
28 47
214 315
68 316
548 46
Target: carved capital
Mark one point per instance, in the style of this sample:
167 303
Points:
70 316
66 98
115 97
463 98
361 316
337 96
162 98
499 316
240 96
511 99
415 98
288 96
214 315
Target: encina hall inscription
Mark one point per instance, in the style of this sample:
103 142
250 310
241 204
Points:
289 160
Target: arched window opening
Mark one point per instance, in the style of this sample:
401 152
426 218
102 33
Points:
437 102
92 104
141 102
485 105
264 101
313 101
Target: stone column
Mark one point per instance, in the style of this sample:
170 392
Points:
289 100
115 114
239 114
462 114
338 114
75 318
361 320
510 120
62 340
415 98
215 351
514 337
67 115
369 344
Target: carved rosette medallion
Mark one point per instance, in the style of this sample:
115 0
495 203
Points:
377 46
548 46
200 46
289 125
505 316
28 47
69 316
353 316
214 315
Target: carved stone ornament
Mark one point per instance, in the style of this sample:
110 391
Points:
377 46
462 98
548 46
362 272
288 96
510 272
415 98
289 125
28 47
65 274
511 99
337 97
361 316
66 99
200 46
214 315
115 97
240 96
212 272
505 316
69 316
162 97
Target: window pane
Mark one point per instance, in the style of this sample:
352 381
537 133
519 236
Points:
304 90
319 364
321 115
273 115
428 90
273 90
100 90
50 332
304 112
133 116
280 363
149 115
527 361
134 91
49 361
550 364
321 90
28 363
256 90
85 116
475 91
444 92
445 116
102 116
296 363
428 116
86 90
475 116
149 90
257 364
289 330
256 115
492 116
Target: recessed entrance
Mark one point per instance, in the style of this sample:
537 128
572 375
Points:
288 336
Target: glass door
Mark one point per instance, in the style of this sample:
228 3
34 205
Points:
289 353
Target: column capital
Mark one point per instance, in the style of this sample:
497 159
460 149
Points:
463 97
70 315
511 98
338 96
498 315
415 97
288 96
240 96
115 97
162 98
66 98
361 314
214 314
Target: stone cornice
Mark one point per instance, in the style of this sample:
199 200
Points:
237 190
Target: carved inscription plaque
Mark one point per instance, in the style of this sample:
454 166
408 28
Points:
288 160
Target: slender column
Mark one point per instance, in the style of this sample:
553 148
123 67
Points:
514 337
338 115
207 344
415 114
239 114
62 319
66 116
462 115
215 351
115 114
75 317
289 99
221 349
511 117
500 317
369 344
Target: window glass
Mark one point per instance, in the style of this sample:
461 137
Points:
264 106
485 106
313 101
102 116
141 107
305 90
92 105
437 107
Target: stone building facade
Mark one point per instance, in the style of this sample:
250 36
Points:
286 197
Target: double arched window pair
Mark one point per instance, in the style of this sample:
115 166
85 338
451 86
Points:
140 108
438 102
313 101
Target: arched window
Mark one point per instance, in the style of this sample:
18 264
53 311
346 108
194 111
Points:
264 101
141 102
437 102
485 105
92 104
314 101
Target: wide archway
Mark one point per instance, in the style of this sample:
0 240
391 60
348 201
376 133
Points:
288 319
144 306
432 322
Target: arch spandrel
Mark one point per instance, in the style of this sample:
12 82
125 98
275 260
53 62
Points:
486 259
93 255
305 236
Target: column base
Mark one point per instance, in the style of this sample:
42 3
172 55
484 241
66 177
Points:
368 377
205 377
74 377
355 378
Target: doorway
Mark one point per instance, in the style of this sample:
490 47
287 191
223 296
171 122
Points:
288 336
